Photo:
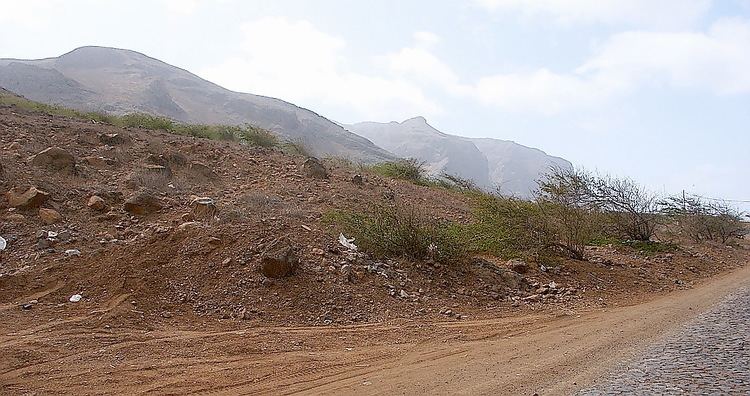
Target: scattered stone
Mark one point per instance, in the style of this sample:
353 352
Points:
518 266
314 168
158 171
72 253
96 203
75 298
203 170
142 203
403 294
187 225
318 251
280 263
97 162
15 218
50 216
29 199
203 208
358 180
111 139
55 158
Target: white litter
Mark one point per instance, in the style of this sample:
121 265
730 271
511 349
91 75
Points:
75 298
347 243
72 252
51 234
3 244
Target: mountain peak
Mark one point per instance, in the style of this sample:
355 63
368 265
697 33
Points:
416 120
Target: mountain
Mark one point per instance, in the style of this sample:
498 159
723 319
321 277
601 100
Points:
490 163
123 81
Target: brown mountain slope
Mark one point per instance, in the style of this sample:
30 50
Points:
124 81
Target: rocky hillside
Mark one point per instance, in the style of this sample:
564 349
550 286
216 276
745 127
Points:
123 81
490 163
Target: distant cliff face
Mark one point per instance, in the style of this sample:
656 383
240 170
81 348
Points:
123 81
491 163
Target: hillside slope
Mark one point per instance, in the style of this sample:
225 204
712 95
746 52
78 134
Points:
123 81
490 163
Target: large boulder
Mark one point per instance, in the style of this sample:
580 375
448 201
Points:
55 158
142 203
28 199
279 263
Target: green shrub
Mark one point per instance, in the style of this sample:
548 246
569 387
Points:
406 169
257 137
505 227
401 231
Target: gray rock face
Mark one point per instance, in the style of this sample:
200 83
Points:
123 81
490 163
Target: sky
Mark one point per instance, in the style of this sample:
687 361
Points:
654 90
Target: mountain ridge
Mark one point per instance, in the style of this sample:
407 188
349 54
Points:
493 164
122 80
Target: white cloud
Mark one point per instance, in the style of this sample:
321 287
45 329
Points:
426 39
295 61
538 91
656 14
716 61
32 14
181 7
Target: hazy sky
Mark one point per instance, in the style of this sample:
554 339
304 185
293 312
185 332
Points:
658 90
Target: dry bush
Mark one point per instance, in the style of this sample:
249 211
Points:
401 230
702 220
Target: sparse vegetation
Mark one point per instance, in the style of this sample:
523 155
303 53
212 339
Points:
408 169
568 217
402 230
702 220
246 134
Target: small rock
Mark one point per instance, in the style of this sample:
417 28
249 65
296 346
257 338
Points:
314 168
72 253
96 203
50 216
55 158
15 218
403 294
358 180
142 203
518 266
203 170
75 298
111 139
318 251
97 162
280 263
29 199
187 225
203 208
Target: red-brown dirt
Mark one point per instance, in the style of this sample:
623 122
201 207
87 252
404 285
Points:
159 295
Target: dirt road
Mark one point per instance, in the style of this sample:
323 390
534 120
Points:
518 355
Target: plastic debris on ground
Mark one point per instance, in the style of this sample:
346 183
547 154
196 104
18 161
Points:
75 298
3 244
347 243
